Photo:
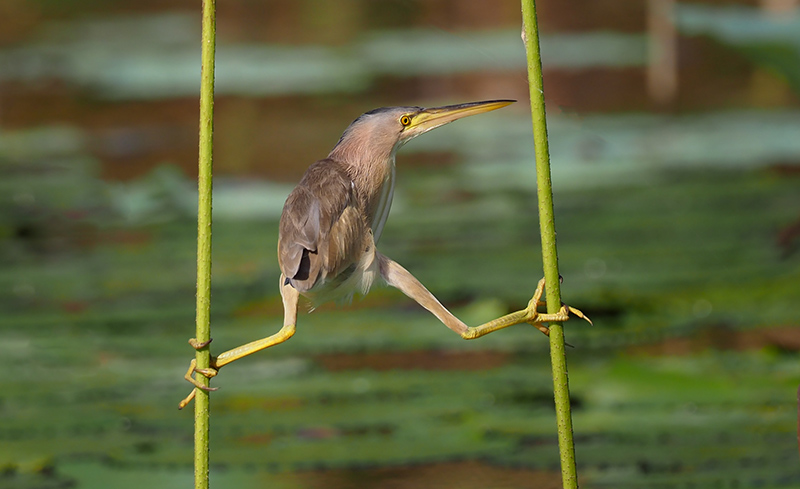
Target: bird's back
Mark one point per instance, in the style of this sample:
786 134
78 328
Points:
323 232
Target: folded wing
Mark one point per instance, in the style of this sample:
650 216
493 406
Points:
322 229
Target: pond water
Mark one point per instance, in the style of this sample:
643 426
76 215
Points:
678 235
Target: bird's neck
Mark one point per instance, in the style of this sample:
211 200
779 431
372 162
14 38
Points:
373 181
384 202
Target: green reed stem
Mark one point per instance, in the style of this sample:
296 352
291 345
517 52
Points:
205 160
549 253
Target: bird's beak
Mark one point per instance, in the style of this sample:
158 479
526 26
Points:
431 118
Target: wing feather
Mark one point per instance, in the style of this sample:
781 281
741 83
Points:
321 227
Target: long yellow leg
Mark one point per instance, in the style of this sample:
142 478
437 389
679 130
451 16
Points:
290 298
397 276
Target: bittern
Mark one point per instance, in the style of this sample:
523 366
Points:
333 219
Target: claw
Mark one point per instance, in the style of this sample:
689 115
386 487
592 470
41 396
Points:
207 372
580 314
198 345
187 400
541 327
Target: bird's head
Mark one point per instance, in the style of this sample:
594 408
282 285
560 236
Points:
384 130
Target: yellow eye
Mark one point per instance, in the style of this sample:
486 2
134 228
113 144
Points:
405 121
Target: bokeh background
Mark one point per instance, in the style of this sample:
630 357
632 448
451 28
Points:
675 141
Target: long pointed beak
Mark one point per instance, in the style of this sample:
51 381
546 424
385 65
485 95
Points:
434 117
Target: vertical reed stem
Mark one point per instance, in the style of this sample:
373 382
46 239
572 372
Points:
549 253
203 333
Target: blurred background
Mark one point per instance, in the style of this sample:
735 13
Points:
675 142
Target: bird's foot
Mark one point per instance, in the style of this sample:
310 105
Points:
536 319
205 372
209 372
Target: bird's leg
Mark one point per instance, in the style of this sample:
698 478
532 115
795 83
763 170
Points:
290 298
397 276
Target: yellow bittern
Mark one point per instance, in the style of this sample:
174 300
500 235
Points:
333 219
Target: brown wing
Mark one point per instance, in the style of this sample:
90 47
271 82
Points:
321 228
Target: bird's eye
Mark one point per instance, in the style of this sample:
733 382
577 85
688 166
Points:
405 121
